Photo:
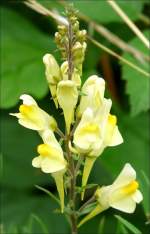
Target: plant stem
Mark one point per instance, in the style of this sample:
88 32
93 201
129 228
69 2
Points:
72 191
70 57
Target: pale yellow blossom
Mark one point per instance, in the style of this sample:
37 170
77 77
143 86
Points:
96 130
32 116
122 195
51 160
67 95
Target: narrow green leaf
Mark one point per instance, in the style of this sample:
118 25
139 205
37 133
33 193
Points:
128 225
40 222
101 225
121 229
147 180
48 192
88 208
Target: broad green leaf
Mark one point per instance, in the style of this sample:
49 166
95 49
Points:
137 85
128 225
22 69
100 10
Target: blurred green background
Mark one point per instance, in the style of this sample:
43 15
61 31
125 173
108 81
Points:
25 37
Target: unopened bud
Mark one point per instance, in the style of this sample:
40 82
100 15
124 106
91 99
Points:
52 68
76 26
82 35
62 29
53 74
78 53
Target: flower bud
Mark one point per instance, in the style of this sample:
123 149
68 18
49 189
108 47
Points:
52 73
93 89
78 54
81 35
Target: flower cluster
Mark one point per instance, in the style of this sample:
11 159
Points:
90 127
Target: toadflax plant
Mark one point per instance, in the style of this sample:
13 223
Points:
90 128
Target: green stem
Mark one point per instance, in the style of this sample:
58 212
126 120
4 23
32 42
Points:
72 192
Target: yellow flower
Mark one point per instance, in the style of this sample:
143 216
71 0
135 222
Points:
87 133
32 116
96 130
122 195
67 95
93 94
51 160
53 74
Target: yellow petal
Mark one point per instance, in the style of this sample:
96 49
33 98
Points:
67 95
52 159
116 137
89 162
126 204
126 176
52 164
93 89
36 162
130 188
33 117
87 133
58 176
98 209
137 196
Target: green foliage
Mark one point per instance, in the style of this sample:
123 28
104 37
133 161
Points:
48 193
101 11
23 47
138 85
128 225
